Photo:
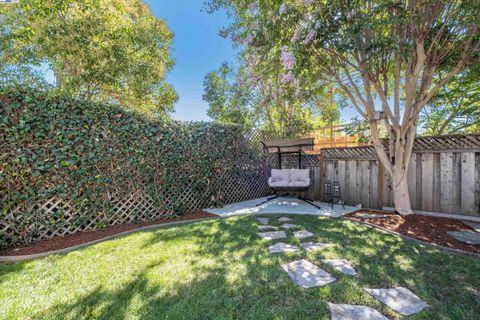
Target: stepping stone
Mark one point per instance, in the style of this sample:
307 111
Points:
469 237
284 219
272 235
264 227
281 247
399 299
370 215
312 246
302 234
263 220
474 225
341 265
307 275
289 226
351 312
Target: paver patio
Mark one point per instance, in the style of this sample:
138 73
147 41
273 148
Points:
307 275
263 220
284 219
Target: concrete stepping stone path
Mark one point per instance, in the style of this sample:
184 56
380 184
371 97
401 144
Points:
351 312
281 247
341 265
284 219
307 275
312 246
302 234
474 225
270 235
289 226
399 299
266 227
467 236
263 220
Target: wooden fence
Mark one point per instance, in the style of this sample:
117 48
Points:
443 176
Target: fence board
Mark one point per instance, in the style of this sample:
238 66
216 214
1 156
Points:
446 182
468 183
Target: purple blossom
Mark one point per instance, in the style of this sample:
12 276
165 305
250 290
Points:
310 36
283 9
317 25
288 59
296 35
235 38
287 77
307 2
252 7
248 39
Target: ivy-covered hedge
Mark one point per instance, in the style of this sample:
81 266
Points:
54 146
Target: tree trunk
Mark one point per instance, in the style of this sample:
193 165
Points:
401 197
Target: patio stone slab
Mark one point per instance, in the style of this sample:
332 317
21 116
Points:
351 312
266 227
289 226
470 237
341 265
281 247
307 275
312 246
272 235
399 299
284 219
263 220
474 225
302 234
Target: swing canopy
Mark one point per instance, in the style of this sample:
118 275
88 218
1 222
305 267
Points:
286 146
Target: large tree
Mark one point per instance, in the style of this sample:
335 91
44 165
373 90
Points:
102 50
385 55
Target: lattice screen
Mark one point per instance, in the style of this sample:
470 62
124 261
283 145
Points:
243 176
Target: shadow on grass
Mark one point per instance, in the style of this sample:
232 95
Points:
244 281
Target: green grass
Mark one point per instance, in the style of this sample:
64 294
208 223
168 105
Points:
220 269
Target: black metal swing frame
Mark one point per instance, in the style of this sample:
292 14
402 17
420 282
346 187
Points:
292 146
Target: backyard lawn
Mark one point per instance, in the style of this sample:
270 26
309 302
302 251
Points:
221 269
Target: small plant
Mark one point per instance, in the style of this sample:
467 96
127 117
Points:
100 225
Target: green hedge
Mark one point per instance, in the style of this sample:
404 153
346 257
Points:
54 146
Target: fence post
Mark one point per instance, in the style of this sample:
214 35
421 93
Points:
380 183
322 172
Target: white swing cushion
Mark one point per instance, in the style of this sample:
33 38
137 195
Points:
299 178
279 178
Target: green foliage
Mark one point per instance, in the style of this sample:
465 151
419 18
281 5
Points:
456 108
99 50
91 154
228 101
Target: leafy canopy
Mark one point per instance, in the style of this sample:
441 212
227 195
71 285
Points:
100 50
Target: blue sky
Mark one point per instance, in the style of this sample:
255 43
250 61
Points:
197 49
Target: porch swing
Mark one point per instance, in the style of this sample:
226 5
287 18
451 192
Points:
289 180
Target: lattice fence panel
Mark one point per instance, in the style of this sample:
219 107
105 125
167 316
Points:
243 175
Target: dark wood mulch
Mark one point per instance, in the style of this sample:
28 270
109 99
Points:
425 228
71 240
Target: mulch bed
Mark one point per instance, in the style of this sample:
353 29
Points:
71 240
425 228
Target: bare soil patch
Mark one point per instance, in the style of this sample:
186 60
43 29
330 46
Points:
428 229
75 239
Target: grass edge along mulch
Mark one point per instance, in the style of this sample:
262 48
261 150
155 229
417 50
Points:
428 229
85 237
